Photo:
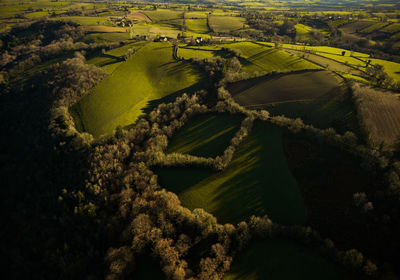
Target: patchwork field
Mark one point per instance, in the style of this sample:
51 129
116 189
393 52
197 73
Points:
225 23
283 259
257 182
380 111
119 99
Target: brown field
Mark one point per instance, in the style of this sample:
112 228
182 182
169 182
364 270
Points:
104 29
285 88
139 16
380 111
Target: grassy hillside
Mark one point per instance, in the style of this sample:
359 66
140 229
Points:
303 32
119 99
280 259
257 182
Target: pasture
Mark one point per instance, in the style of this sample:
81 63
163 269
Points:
303 32
106 37
257 182
163 14
225 23
380 112
119 99
110 60
197 25
280 259
206 135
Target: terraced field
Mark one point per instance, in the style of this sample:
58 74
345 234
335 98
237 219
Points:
257 182
283 259
119 99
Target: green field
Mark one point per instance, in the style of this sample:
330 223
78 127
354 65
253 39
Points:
163 14
195 15
197 25
201 52
206 135
119 99
392 28
264 59
374 27
257 182
280 259
303 32
110 60
106 37
84 20
225 23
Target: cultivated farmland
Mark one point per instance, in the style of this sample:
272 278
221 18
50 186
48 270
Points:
380 112
284 88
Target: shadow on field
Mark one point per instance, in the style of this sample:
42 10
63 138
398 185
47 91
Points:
151 105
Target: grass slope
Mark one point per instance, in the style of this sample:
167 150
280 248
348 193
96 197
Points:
280 259
119 99
303 32
257 182
206 135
